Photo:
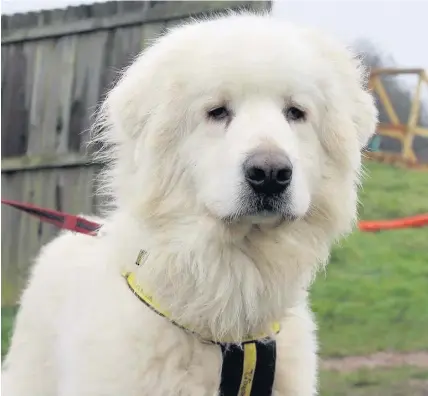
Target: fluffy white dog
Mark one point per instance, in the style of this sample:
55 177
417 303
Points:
234 146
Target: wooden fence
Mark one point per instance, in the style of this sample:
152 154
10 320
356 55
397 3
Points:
56 66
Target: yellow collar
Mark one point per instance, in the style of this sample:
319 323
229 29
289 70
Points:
149 300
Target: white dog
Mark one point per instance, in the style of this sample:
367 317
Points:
235 160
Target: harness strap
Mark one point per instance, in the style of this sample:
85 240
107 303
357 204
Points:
248 371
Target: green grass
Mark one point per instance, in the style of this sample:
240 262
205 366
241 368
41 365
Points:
401 381
374 294
389 192
7 317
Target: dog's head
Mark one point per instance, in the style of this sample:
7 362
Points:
244 119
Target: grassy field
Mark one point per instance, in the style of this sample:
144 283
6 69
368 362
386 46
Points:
7 316
374 294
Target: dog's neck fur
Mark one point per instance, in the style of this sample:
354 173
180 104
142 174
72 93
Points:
222 281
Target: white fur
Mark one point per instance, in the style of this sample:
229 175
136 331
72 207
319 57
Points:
175 176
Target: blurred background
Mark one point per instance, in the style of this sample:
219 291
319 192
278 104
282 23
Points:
58 58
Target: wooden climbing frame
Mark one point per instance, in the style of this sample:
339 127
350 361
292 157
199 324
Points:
404 133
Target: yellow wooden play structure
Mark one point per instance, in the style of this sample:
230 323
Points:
395 130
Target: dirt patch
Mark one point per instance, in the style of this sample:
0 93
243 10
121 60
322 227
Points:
376 360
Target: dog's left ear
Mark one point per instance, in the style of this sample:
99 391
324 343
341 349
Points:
365 114
351 76
360 102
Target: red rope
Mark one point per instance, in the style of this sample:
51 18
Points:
60 219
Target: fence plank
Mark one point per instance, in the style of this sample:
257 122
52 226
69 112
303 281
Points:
90 54
12 186
14 113
67 59
39 94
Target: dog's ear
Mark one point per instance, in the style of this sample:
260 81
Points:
129 105
352 77
365 114
125 108
361 105
363 110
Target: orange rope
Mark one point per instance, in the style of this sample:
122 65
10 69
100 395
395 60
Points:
79 224
406 222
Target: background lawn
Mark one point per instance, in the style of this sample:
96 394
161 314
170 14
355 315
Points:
374 293
7 316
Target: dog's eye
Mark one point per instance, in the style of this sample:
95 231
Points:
219 113
295 114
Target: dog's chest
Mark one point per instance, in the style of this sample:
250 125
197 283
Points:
192 368
183 367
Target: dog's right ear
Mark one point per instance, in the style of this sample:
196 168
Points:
128 105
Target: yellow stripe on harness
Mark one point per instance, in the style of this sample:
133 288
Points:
250 359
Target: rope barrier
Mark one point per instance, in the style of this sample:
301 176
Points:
84 226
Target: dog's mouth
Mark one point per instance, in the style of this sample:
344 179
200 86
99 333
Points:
263 211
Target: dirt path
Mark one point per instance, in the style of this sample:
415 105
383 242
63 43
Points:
380 359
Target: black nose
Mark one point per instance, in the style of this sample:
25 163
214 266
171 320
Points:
267 172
